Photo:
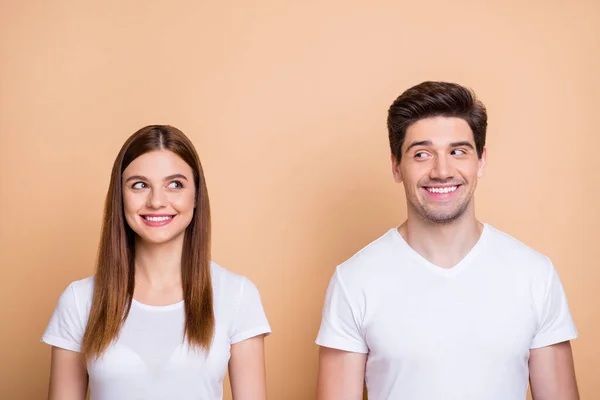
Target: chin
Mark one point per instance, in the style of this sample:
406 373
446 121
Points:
156 240
158 237
443 217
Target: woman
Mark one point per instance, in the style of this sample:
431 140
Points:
159 319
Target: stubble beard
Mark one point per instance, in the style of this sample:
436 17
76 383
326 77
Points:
448 216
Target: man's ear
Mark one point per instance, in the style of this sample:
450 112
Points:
396 169
482 163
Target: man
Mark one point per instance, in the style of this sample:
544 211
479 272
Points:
444 306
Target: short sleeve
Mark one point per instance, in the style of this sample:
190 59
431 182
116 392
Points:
340 323
555 323
250 319
65 329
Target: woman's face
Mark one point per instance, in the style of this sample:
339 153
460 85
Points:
159 196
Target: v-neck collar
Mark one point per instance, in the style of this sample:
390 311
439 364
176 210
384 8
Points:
463 264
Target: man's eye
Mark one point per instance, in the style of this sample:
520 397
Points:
459 152
420 154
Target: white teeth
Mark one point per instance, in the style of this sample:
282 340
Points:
158 219
448 189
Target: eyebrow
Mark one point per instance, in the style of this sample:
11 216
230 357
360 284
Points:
143 178
429 143
419 143
462 144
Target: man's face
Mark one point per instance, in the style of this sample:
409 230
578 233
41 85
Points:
439 168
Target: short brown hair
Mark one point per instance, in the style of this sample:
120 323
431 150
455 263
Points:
433 99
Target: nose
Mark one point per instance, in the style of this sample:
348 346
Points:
441 169
156 199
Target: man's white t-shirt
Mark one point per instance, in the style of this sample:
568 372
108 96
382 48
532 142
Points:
150 360
431 333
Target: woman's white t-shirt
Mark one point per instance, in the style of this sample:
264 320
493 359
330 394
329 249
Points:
150 360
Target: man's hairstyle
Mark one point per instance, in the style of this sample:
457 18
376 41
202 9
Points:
434 99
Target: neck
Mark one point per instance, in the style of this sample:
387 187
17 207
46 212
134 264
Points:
442 244
158 265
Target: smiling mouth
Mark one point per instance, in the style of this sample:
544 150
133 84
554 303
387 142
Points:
161 218
442 190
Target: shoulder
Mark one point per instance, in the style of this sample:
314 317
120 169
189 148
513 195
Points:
78 293
370 261
516 254
224 277
236 298
371 254
83 288
69 319
229 284
504 242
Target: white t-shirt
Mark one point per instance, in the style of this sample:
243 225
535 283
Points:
150 359
431 333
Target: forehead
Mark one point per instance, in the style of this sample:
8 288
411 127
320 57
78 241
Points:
158 164
439 130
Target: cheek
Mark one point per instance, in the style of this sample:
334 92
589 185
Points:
132 203
470 172
184 203
412 176
130 208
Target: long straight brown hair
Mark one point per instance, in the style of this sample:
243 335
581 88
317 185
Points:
115 274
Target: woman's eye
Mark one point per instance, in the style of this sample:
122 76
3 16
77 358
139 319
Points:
139 185
175 185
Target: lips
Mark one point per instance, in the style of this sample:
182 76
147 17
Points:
156 220
442 192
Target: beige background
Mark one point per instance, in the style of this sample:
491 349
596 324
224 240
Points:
286 102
